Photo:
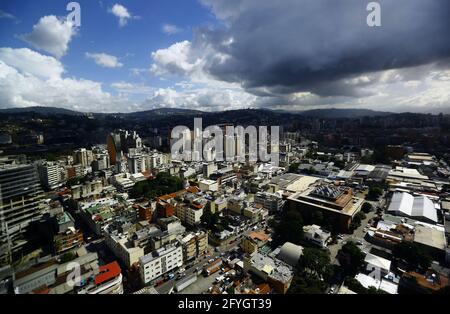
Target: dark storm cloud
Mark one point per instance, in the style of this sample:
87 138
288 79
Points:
289 46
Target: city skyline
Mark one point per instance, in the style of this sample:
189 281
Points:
128 56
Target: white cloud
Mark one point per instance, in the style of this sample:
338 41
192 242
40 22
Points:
29 62
6 15
273 63
138 71
175 60
206 99
171 29
419 88
28 78
104 60
122 13
126 88
52 35
180 59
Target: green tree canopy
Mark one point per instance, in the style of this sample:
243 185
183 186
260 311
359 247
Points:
375 192
351 258
367 207
290 228
412 254
163 184
293 167
316 262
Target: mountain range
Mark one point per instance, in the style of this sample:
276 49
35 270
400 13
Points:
164 112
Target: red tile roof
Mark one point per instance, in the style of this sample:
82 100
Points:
107 272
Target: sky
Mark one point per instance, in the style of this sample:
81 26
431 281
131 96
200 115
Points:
213 55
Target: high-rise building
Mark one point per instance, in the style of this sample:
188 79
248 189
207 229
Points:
136 163
21 202
208 169
120 142
83 157
49 174
101 162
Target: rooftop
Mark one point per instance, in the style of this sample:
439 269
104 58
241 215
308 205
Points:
156 254
107 272
259 235
378 261
290 253
413 206
432 236
344 204
407 173
272 267
293 182
327 191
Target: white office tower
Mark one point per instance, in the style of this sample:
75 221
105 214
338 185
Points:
49 174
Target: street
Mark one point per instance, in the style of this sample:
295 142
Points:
203 283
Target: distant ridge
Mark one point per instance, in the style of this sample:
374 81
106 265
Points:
343 113
42 110
335 113
165 112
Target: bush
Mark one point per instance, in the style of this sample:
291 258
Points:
67 257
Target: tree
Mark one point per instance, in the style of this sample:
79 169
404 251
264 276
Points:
357 287
306 285
356 222
412 254
163 184
351 258
67 257
375 192
289 229
367 208
316 262
293 167
313 272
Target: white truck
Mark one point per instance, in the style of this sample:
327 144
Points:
185 282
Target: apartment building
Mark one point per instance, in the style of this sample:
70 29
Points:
270 201
194 245
159 262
